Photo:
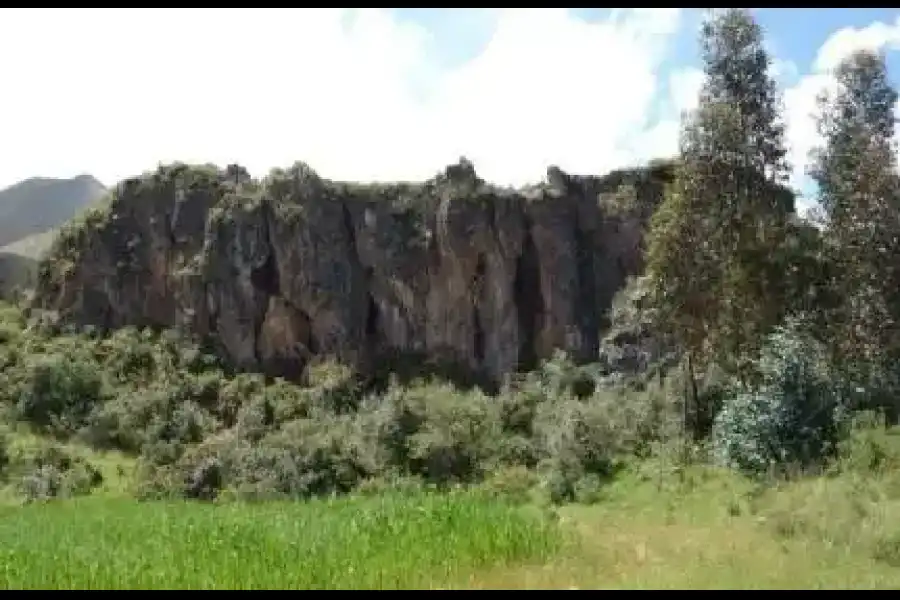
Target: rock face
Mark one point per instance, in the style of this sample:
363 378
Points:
451 270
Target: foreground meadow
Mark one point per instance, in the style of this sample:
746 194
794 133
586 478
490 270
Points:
691 529
391 541
706 529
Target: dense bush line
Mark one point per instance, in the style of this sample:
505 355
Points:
202 432
199 430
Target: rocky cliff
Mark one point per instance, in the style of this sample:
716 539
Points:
452 270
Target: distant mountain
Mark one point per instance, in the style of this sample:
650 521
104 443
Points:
40 204
30 213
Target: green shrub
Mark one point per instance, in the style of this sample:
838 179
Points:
793 416
157 422
57 392
305 458
53 473
576 439
871 448
439 433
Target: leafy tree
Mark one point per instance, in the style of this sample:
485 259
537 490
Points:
793 417
858 190
716 289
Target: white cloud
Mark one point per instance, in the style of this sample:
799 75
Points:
846 41
357 95
661 139
800 99
783 70
685 89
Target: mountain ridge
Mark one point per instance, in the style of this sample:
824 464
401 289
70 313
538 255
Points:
39 204
31 211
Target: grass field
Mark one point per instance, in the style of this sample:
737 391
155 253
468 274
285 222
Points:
393 541
654 527
714 531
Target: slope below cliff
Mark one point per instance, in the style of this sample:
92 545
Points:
452 270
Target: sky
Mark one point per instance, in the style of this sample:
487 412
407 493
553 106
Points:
384 94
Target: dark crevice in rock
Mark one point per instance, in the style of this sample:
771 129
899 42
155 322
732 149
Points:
492 214
478 337
312 344
265 277
372 321
373 316
478 341
347 220
371 326
212 313
586 301
529 301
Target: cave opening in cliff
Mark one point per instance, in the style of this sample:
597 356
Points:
587 306
373 314
478 341
529 303
372 319
265 277
373 322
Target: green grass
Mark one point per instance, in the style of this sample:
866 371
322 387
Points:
713 530
706 530
388 542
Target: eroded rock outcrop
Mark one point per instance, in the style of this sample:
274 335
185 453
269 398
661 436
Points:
278 271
